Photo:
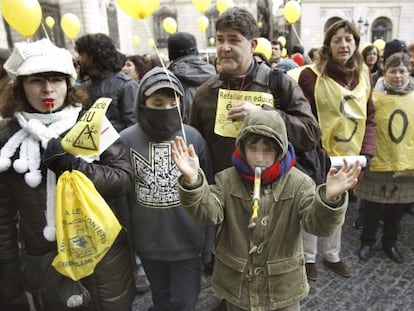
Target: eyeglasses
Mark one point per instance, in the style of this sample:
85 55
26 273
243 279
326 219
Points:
40 81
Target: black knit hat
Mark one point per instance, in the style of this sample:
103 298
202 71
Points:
181 44
159 78
394 46
297 48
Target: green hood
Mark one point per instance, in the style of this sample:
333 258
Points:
264 123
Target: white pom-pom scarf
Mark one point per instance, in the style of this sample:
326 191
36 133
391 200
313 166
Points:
36 129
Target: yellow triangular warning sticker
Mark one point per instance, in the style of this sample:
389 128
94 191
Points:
84 138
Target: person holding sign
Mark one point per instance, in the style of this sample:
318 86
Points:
387 188
221 103
259 258
339 90
40 107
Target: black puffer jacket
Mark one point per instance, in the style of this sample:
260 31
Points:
122 89
22 217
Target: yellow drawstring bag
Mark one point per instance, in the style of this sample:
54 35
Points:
85 226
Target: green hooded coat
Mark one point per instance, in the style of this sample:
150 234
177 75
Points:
262 268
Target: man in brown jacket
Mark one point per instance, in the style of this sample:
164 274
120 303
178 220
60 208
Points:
240 86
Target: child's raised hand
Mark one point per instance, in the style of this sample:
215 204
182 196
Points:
340 180
186 159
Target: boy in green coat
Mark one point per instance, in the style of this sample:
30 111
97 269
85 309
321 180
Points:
259 257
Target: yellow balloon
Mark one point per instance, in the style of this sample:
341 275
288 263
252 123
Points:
50 22
70 25
24 16
291 11
135 40
170 25
223 5
380 44
202 23
282 41
264 47
201 5
151 43
283 53
138 9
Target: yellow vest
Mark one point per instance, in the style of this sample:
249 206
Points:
295 72
395 134
342 113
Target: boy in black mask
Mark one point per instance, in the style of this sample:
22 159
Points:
171 247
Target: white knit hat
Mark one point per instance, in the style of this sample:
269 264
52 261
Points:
40 56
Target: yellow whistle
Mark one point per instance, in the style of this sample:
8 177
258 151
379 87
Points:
255 207
256 191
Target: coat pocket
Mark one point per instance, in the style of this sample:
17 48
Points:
229 272
287 278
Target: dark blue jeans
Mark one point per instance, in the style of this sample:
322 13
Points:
175 285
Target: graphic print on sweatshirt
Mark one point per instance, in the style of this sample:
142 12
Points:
156 177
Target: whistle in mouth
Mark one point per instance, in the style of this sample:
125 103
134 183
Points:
49 103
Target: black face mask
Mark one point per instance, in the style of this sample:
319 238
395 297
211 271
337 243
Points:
159 124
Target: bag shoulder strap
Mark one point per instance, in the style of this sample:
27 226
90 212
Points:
275 85
272 77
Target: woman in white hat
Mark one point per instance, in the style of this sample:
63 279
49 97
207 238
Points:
38 109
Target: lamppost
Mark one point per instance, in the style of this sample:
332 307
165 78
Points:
264 18
363 26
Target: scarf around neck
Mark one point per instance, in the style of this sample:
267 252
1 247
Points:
341 74
269 175
384 87
160 124
36 131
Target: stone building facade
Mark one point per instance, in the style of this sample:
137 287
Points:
376 19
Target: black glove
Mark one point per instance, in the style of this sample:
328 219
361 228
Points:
57 159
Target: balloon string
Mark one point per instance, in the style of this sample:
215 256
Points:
296 33
45 31
169 78
204 31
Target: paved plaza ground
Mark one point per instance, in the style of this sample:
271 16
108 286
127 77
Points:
376 285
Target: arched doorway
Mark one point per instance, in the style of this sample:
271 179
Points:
381 29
